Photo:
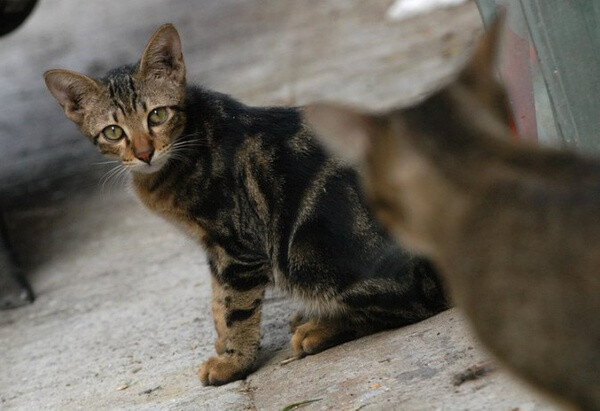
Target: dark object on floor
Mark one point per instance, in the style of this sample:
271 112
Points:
13 13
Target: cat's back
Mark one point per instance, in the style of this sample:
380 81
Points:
537 217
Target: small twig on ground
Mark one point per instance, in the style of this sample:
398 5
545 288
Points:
288 360
150 390
473 372
299 404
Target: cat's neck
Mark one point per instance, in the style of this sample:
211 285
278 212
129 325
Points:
145 180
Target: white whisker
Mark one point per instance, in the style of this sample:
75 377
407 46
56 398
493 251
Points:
110 175
99 163
123 178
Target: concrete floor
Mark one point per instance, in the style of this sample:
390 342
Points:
122 318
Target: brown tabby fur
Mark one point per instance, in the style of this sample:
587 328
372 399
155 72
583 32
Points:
269 205
514 229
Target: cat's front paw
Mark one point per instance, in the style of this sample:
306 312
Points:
222 369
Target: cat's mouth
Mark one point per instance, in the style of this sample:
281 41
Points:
158 161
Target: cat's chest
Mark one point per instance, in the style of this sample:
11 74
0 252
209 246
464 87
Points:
164 203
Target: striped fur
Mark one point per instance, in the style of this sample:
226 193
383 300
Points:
268 204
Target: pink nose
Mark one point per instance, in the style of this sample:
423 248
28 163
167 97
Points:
146 154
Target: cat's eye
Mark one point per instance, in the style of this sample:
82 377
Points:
158 116
113 133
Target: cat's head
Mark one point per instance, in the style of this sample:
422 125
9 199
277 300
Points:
135 113
394 174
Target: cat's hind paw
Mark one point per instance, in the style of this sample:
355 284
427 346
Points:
313 337
222 369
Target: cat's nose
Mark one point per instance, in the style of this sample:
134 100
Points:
145 155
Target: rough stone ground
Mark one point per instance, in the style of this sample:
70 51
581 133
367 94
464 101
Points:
122 318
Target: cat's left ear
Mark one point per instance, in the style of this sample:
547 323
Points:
345 131
163 56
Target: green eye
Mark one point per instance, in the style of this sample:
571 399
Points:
113 133
158 116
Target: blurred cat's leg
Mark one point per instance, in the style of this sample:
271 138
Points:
237 316
14 288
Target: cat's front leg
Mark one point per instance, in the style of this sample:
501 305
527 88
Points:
236 314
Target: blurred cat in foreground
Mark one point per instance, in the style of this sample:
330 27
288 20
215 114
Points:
513 228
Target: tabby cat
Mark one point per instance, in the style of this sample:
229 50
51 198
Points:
264 199
513 228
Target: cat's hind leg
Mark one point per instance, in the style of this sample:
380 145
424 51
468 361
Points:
373 305
318 334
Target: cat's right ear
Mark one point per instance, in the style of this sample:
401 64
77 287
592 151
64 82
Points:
71 90
345 131
163 56
480 69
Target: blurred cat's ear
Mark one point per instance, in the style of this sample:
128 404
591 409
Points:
163 56
72 91
345 131
480 69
